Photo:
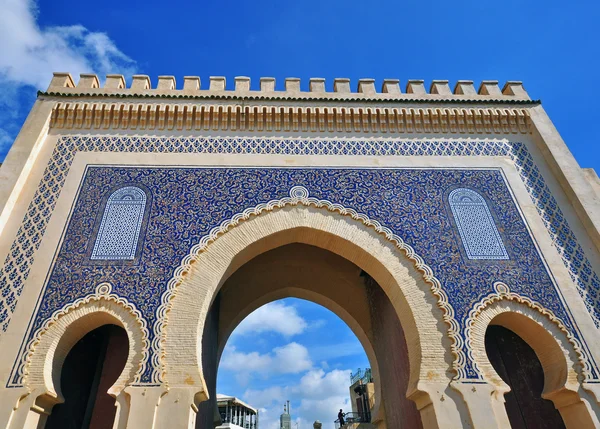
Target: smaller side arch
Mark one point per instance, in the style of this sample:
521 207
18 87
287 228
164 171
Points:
53 341
547 332
563 362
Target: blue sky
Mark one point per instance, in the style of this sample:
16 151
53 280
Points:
292 349
552 46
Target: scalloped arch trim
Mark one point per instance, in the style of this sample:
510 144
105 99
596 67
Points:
503 293
101 300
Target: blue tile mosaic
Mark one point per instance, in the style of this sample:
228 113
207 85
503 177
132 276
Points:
15 270
186 203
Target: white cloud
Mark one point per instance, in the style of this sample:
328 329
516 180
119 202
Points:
247 362
265 398
319 395
30 54
325 410
292 358
325 384
317 324
273 317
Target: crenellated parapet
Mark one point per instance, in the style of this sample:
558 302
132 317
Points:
415 90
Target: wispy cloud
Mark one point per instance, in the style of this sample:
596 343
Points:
273 317
30 54
338 350
291 358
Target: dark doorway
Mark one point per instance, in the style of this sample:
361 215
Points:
90 369
517 364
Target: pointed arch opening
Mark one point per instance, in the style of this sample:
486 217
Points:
338 287
90 369
411 301
307 364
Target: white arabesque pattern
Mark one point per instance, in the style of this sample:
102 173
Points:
476 225
121 223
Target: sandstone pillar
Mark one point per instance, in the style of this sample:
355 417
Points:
177 409
485 404
10 399
143 402
27 411
440 406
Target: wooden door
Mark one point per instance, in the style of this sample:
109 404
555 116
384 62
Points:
517 364
90 369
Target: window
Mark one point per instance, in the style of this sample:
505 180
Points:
476 225
121 223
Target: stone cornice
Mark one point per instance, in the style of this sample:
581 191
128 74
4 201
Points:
463 110
113 115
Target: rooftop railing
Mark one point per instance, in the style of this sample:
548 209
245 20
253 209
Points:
350 418
365 375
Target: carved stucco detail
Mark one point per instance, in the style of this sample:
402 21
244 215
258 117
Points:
193 116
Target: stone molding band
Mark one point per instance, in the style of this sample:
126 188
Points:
155 116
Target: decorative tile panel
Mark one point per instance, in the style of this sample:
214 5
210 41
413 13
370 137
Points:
16 268
188 202
476 225
121 223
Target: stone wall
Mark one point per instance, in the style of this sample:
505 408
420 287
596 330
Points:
390 343
208 412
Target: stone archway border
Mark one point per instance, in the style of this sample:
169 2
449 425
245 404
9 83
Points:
299 195
503 294
34 368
